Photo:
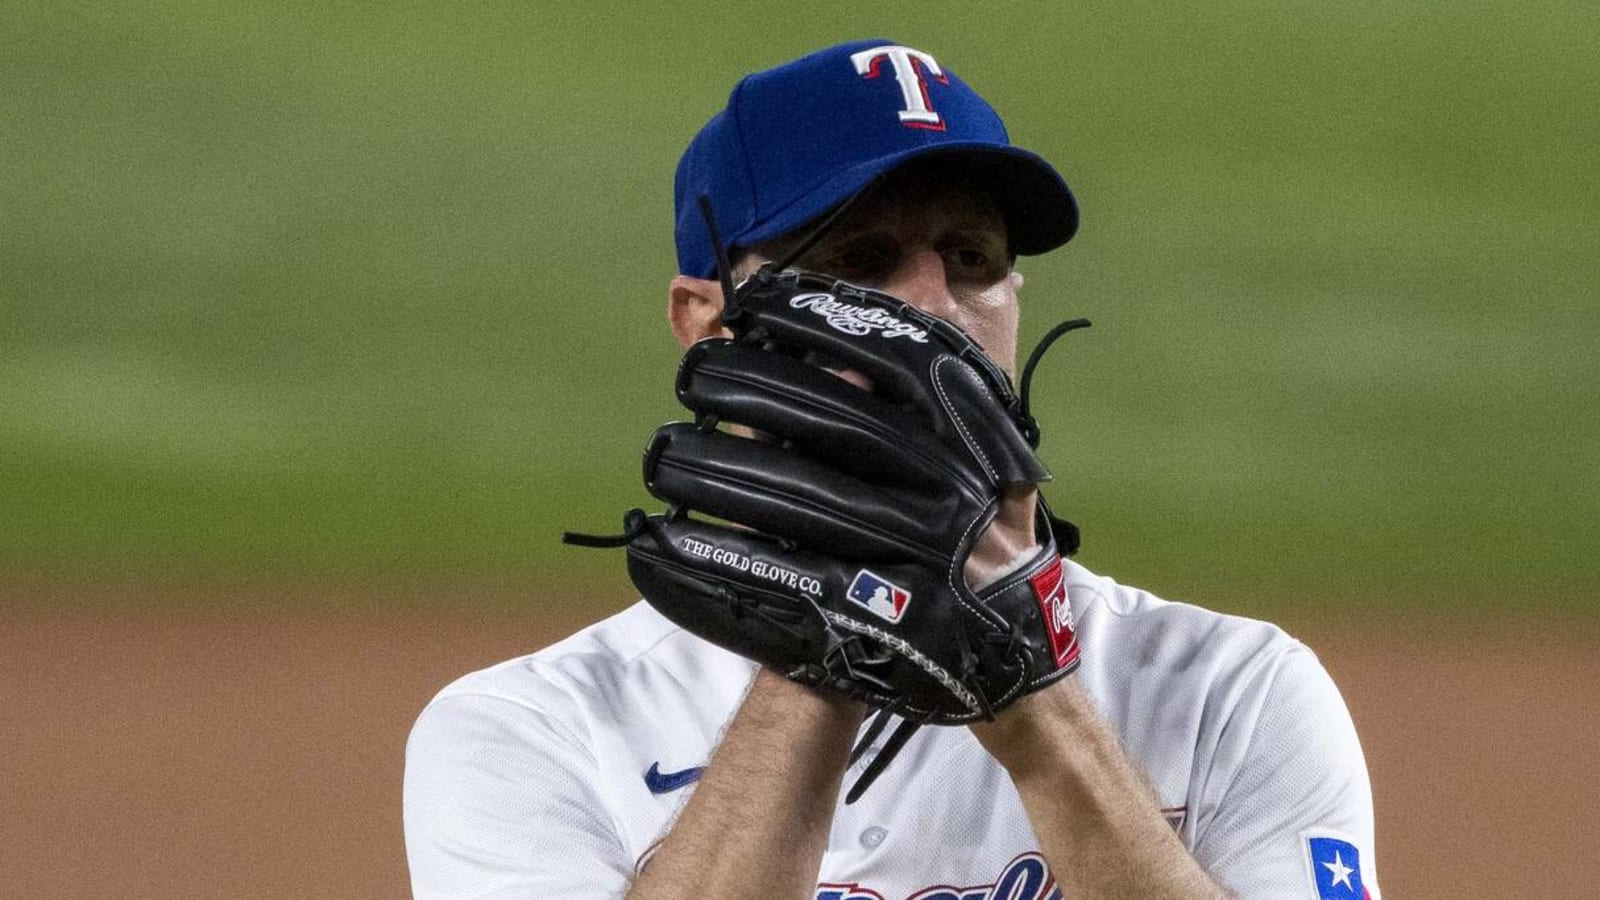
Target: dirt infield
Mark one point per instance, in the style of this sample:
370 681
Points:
257 756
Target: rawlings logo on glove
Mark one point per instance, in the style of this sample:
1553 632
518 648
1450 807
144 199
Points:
857 320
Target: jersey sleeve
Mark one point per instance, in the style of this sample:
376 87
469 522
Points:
1295 820
502 800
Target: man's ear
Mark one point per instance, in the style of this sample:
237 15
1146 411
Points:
694 307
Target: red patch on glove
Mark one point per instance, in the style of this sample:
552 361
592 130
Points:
1050 589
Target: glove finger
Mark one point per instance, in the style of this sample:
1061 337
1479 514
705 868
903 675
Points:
913 358
781 492
887 340
985 426
823 416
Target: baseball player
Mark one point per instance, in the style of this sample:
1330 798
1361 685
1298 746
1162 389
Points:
846 233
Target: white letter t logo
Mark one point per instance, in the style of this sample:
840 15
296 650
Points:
918 113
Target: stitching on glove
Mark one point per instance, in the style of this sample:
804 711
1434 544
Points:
982 611
1006 583
934 670
961 426
958 587
1053 676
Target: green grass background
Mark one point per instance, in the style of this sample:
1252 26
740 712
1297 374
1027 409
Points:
373 293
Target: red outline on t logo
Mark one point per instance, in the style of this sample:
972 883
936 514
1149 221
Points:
918 110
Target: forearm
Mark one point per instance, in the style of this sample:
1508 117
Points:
758 822
1098 823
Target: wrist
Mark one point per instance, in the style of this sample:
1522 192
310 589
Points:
983 571
1026 738
1010 540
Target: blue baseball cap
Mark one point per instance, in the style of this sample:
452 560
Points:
799 139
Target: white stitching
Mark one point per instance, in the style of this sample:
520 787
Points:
899 645
1017 686
1055 674
993 619
960 425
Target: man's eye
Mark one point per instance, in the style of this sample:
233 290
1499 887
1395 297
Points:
976 262
970 258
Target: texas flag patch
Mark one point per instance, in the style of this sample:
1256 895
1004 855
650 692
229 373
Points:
1335 867
879 595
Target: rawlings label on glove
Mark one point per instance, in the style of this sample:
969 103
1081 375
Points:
856 509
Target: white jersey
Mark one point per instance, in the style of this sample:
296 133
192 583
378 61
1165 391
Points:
555 774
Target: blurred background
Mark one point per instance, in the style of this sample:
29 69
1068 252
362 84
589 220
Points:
320 322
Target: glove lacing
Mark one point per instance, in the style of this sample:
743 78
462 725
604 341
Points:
891 748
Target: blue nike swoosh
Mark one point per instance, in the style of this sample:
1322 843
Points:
660 782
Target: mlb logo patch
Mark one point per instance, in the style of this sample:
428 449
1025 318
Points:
883 598
1335 866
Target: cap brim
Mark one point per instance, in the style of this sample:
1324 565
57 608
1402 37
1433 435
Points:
1041 213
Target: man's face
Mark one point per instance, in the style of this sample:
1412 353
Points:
940 246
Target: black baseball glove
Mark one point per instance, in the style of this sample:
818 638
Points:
855 509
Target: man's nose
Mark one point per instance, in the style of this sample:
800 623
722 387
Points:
922 281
